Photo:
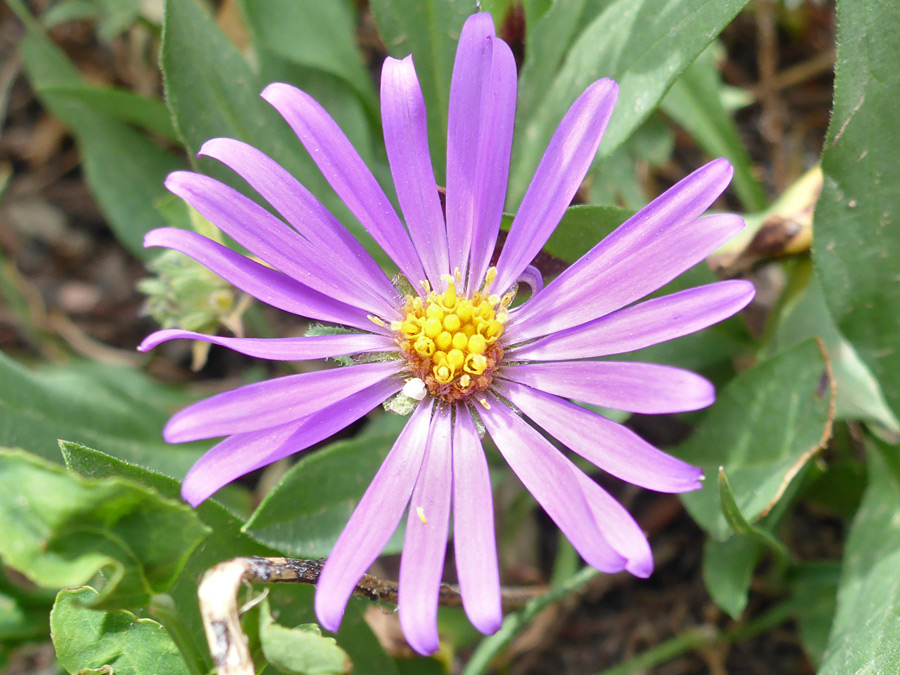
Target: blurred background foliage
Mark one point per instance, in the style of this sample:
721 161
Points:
786 561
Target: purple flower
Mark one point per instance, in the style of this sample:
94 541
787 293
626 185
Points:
453 344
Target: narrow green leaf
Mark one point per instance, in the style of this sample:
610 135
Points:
428 29
124 169
314 34
642 44
728 569
59 529
301 650
92 641
766 424
113 407
865 637
695 102
857 241
740 525
306 512
147 113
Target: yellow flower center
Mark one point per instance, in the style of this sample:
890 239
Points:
451 340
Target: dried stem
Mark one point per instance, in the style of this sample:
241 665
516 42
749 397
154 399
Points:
219 588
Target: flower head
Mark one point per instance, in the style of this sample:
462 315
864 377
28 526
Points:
455 345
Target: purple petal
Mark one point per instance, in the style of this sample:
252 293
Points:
243 453
347 174
608 445
473 530
374 520
259 281
563 166
479 138
283 349
264 235
498 113
622 385
273 402
303 211
425 544
406 140
617 525
548 476
653 247
642 325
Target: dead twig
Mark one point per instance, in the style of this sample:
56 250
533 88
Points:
219 588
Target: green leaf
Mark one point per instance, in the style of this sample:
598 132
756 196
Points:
301 650
146 113
20 622
865 637
802 313
766 424
92 641
225 542
581 228
314 34
728 569
857 242
429 30
695 102
113 407
739 524
642 44
124 169
813 588
306 512
59 529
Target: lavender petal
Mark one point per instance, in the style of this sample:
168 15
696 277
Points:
347 174
273 402
610 446
373 521
425 544
645 388
558 176
639 326
243 453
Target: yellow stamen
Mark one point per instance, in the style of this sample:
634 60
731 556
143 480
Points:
421 513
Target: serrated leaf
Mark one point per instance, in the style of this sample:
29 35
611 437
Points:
124 169
94 641
695 102
857 241
642 44
865 637
116 408
306 512
764 427
59 529
300 650
429 30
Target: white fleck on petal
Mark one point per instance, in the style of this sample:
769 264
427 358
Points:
415 388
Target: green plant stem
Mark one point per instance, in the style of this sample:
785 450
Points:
700 637
514 623
162 608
